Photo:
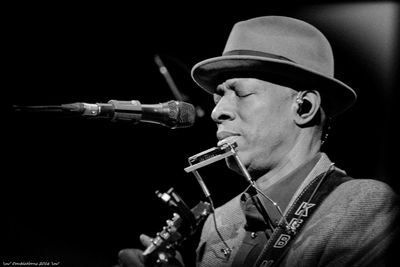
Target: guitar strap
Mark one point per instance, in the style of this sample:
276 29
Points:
298 214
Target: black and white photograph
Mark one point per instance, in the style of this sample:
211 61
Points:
200 134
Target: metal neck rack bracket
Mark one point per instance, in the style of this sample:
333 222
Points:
221 152
210 156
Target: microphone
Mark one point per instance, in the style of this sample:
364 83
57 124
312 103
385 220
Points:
172 114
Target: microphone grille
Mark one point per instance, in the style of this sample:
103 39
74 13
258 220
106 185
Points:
183 113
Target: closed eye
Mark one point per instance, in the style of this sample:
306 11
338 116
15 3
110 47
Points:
243 91
244 95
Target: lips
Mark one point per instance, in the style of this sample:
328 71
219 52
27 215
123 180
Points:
226 137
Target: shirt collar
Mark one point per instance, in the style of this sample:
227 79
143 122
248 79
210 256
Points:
281 192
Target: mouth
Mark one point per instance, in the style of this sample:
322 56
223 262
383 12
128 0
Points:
226 137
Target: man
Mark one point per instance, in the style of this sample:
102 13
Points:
275 93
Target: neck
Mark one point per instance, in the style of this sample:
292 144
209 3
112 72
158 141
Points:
304 149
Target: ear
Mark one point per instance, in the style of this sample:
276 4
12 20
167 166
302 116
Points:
306 106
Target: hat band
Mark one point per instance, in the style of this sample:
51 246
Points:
255 53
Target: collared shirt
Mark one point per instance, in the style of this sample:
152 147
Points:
262 216
246 221
355 225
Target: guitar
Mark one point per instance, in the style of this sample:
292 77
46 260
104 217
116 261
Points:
183 224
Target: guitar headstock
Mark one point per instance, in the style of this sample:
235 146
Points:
182 225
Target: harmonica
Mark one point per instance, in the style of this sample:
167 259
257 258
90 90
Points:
210 156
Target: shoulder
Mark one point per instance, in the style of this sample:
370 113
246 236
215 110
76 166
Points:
368 193
358 217
358 205
367 185
355 206
360 201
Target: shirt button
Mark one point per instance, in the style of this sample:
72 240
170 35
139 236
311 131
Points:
253 235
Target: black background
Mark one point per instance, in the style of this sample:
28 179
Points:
76 191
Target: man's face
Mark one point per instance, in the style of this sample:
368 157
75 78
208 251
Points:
258 116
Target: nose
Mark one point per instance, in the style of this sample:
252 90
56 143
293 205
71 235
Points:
223 110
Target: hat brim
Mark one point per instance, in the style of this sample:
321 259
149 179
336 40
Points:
336 96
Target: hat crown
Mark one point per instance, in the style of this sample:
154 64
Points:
283 50
284 37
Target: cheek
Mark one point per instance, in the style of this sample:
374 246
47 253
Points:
265 122
269 130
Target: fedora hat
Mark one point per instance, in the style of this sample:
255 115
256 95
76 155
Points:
282 50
